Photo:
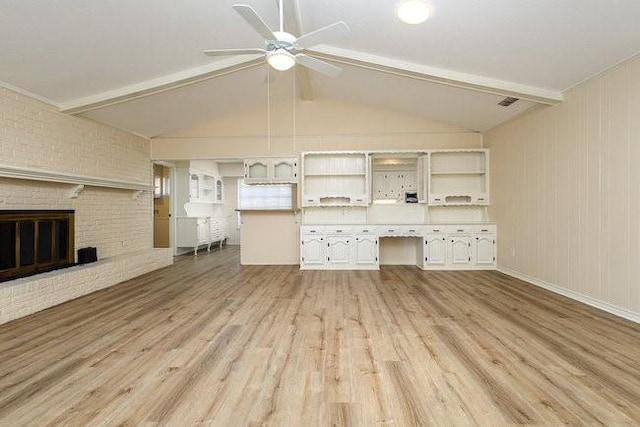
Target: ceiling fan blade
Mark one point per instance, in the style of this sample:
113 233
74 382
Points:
323 35
318 65
228 52
252 17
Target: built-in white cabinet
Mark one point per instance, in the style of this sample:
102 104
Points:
194 186
397 177
438 247
442 194
458 177
459 250
459 247
365 250
271 171
339 251
484 247
433 250
342 247
194 232
335 179
312 250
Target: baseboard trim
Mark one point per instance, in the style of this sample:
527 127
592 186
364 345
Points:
605 306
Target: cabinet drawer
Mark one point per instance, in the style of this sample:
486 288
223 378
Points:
313 230
460 229
365 229
359 201
481 199
412 230
487 228
434 229
390 230
339 230
311 201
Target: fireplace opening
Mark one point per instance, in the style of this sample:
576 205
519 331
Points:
33 242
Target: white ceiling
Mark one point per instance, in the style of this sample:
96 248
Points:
121 60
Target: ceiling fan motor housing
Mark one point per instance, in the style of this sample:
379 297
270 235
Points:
284 40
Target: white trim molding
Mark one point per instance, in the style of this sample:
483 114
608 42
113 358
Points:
68 178
576 296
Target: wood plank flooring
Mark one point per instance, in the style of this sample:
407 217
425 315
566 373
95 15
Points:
208 342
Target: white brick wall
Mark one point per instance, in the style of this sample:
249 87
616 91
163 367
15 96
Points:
21 297
109 219
35 135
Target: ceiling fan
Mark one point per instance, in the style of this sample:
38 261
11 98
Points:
283 50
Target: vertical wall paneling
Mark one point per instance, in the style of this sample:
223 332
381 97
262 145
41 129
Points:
566 186
633 251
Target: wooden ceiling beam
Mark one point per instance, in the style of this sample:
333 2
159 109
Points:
161 84
436 75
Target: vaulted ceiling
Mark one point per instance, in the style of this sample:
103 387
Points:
138 65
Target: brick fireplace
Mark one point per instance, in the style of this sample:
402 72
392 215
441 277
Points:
35 241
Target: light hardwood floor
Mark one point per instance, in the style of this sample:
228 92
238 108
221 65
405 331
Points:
207 342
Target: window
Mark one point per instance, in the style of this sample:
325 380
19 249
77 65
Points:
270 197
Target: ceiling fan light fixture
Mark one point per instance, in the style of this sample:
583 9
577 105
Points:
281 60
412 11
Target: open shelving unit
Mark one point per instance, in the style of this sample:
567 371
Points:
335 179
393 175
458 178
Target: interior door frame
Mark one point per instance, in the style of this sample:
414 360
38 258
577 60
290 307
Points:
172 202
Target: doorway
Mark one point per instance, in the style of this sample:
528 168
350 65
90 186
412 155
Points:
161 206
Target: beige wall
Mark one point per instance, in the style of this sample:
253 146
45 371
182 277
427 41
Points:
319 125
566 193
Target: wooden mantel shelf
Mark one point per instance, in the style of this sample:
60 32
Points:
34 174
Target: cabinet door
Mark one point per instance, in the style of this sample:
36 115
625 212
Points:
312 251
485 250
285 170
203 231
219 190
194 187
339 250
186 232
366 250
256 170
435 252
460 250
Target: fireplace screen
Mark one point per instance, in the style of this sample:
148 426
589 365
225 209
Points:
35 241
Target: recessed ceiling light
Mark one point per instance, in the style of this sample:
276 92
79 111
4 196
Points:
412 11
